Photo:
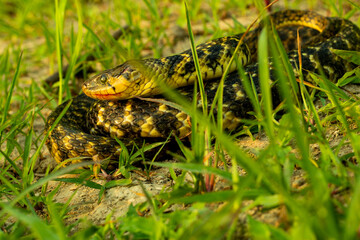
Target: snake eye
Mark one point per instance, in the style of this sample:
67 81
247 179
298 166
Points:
103 78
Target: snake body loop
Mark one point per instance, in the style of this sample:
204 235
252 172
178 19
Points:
89 125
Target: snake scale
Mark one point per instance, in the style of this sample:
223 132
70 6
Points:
89 126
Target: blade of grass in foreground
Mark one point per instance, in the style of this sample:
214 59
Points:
59 17
196 62
4 71
75 49
11 90
264 78
200 137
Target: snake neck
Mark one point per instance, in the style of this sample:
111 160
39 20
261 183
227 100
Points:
213 57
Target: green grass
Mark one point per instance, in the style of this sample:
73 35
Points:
39 38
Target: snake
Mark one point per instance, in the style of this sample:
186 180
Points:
114 104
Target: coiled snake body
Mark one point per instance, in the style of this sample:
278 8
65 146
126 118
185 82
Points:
88 126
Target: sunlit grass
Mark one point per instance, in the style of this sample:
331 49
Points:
73 30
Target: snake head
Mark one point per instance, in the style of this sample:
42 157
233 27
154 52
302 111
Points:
122 82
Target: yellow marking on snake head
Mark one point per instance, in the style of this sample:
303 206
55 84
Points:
147 91
121 82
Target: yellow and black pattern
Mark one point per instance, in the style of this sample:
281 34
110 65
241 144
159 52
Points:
140 77
89 125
